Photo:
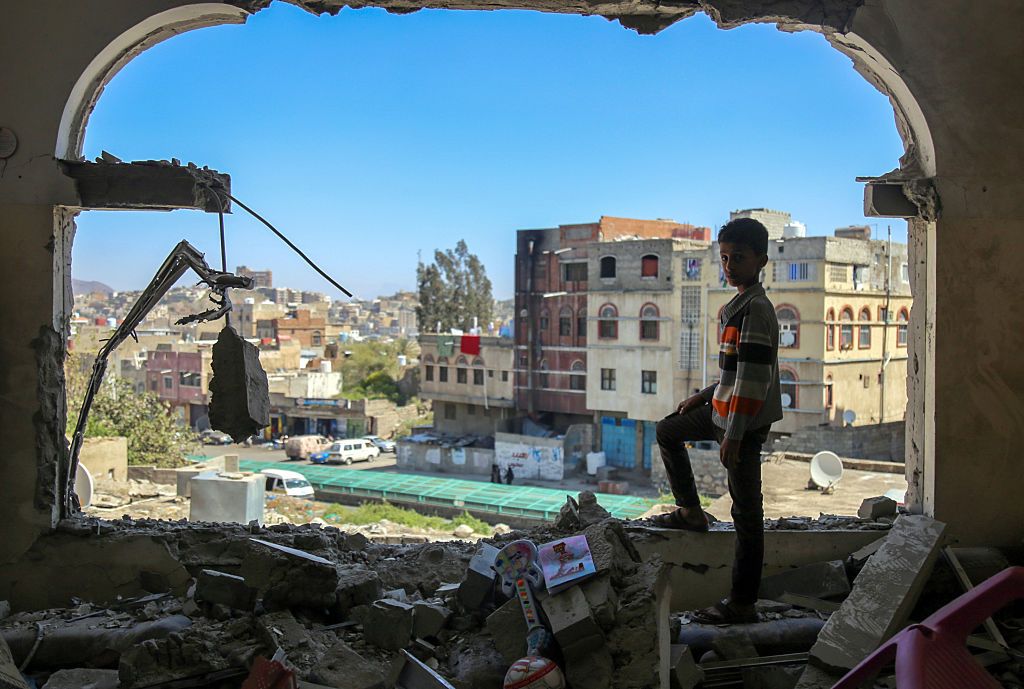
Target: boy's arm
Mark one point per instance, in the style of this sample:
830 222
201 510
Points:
708 393
756 356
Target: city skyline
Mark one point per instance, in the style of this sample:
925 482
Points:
439 126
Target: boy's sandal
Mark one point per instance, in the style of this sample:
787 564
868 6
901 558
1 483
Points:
674 520
723 612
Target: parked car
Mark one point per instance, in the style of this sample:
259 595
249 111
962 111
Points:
302 446
348 451
212 437
283 482
380 443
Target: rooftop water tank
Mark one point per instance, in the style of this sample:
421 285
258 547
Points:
794 229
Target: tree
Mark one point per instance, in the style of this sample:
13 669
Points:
154 437
453 290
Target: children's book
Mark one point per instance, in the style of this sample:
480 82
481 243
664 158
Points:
566 562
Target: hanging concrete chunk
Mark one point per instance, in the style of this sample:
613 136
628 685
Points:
883 594
239 392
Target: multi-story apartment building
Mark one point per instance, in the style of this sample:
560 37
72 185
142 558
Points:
261 278
556 268
774 221
843 307
472 393
246 315
644 341
181 378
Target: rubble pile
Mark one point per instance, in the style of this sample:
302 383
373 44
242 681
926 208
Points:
341 611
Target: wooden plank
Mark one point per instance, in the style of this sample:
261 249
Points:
883 594
965 581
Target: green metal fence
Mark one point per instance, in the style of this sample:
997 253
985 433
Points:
527 502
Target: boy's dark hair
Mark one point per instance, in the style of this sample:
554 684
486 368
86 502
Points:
746 231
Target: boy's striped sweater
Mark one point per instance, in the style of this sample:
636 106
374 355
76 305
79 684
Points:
747 396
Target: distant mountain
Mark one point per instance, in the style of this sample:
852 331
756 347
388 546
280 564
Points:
89 286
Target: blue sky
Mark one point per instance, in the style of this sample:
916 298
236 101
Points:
369 137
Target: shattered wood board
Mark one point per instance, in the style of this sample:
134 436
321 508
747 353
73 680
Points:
883 594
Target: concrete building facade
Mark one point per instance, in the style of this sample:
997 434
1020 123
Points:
471 393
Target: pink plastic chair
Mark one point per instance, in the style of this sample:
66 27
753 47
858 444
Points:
933 654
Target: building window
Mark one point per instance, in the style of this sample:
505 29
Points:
829 399
649 266
442 374
864 331
460 376
490 373
565 322
608 267
883 315
574 272
649 382
544 318
789 326
504 376
607 378
471 409
449 411
846 329
692 268
787 383
428 373
543 373
153 385
478 376
838 273
581 323
578 377
649 322
192 380
904 273
607 325
830 329
800 271
168 383
316 338
901 327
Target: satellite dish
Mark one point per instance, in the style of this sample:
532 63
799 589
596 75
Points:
83 485
786 400
787 338
826 469
849 416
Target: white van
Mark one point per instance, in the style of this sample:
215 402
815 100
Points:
351 450
292 483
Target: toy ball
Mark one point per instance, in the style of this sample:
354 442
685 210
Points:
534 672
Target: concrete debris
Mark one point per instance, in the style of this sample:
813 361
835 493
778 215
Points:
587 661
771 677
463 531
581 512
502 529
478 583
387 624
5 609
476 664
883 594
602 599
343 668
397 594
734 644
82 678
685 672
818 580
876 508
507 627
227 589
357 585
428 619
287 577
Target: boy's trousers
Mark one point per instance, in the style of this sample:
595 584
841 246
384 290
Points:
744 488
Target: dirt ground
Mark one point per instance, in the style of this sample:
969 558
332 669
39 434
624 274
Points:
784 483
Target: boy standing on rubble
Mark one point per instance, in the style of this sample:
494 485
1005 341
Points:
738 412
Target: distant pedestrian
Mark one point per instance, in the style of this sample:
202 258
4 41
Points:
495 473
509 475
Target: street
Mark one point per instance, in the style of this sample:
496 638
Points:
386 460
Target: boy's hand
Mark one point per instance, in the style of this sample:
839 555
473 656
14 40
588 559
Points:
690 403
729 453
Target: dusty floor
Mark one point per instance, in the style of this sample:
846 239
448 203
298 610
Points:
784 483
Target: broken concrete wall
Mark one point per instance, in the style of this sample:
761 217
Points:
530 457
881 441
711 477
454 460
105 458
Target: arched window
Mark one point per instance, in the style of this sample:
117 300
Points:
578 376
864 330
789 326
787 382
846 328
830 329
829 397
649 266
461 376
581 323
902 319
607 322
565 322
543 373
477 361
608 266
649 322
316 338
462 361
544 318
428 358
